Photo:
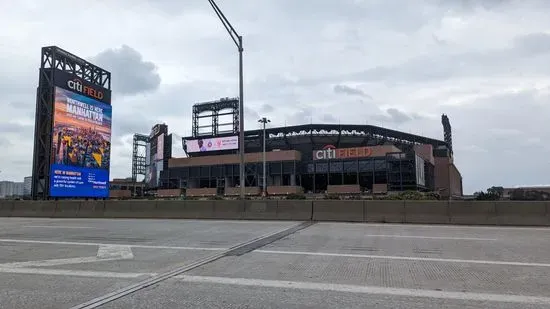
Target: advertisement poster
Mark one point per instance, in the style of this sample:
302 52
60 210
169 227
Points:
81 146
212 144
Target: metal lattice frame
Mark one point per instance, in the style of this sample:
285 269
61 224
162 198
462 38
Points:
54 58
139 156
215 109
447 132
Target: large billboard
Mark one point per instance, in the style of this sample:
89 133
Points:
420 175
157 161
81 141
212 144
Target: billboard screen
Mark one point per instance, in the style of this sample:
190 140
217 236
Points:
160 147
81 145
212 144
420 175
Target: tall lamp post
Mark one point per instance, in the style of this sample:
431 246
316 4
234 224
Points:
238 40
264 121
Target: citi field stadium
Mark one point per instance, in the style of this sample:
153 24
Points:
310 159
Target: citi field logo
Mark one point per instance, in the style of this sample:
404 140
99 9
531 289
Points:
331 152
77 85
328 152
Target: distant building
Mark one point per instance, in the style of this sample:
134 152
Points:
125 188
27 184
10 188
507 192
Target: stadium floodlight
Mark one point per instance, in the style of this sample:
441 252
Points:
238 40
264 121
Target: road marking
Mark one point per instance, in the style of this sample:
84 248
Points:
76 273
70 243
60 227
104 254
446 226
56 262
242 247
115 252
430 237
404 258
295 285
538 300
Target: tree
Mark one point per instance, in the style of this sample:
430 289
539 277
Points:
492 194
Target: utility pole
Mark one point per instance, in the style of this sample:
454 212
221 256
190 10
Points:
264 121
238 40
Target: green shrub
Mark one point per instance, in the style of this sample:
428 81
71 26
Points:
294 196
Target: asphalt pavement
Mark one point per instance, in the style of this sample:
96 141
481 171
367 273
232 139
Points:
116 263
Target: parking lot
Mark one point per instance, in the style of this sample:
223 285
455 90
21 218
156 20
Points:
138 263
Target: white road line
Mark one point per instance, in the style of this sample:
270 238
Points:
60 227
76 273
430 237
444 226
70 243
404 258
538 300
56 262
104 254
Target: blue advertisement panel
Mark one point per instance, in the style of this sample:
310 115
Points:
81 146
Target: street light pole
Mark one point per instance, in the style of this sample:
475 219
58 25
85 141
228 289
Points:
238 40
264 121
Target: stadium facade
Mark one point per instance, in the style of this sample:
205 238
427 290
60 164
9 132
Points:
315 158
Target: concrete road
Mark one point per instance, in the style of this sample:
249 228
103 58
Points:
79 263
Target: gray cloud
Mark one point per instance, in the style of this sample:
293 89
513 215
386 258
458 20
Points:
18 128
329 118
533 43
4 142
351 91
266 108
130 73
394 115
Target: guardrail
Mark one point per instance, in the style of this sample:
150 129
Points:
428 212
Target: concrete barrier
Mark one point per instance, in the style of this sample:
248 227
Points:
6 208
522 213
91 209
473 212
198 210
294 210
428 212
431 212
118 209
170 209
230 209
350 211
260 210
143 209
385 211
66 209
33 209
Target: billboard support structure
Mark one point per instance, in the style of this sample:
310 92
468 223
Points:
55 59
212 111
139 156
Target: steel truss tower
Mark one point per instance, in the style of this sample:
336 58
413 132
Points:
213 110
139 156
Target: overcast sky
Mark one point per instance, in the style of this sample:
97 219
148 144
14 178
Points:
392 63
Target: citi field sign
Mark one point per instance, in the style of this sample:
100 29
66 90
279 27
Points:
77 85
330 152
80 86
